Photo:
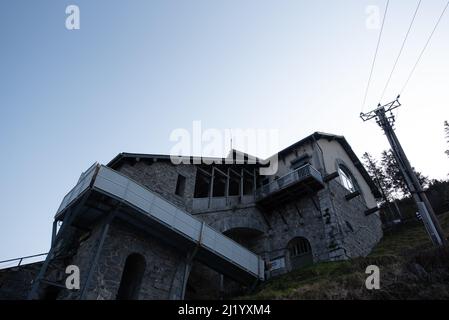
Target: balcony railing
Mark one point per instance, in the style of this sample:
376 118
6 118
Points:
303 173
22 261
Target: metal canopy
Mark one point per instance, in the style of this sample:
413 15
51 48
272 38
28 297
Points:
104 187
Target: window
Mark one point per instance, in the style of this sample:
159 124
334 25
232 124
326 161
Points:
248 185
300 253
346 178
180 185
300 161
131 277
219 185
299 247
234 186
202 185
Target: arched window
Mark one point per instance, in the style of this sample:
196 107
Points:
131 277
300 253
346 178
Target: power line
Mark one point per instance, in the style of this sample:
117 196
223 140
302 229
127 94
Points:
400 51
425 47
375 56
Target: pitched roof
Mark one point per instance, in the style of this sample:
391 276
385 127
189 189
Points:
309 139
342 140
234 156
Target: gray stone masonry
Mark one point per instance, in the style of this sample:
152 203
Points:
163 272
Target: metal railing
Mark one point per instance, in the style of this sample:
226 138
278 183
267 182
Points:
17 262
287 180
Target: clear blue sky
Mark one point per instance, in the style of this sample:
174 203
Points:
136 70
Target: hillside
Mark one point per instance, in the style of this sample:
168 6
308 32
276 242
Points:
410 268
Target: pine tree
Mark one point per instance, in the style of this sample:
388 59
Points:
394 175
446 130
378 175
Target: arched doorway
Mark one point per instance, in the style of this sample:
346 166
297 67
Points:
132 276
247 237
300 253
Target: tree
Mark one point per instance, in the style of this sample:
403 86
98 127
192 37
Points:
383 182
446 130
378 175
394 175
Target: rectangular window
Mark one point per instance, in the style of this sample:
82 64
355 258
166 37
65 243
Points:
180 185
300 161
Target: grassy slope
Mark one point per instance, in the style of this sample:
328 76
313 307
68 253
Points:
410 268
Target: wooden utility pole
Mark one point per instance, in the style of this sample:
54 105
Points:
386 122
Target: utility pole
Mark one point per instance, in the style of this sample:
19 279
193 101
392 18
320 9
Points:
386 122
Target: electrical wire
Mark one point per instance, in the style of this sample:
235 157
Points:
400 51
425 47
375 56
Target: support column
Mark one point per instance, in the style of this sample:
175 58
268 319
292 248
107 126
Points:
228 177
103 235
254 182
241 184
221 287
53 232
189 262
68 219
187 269
211 187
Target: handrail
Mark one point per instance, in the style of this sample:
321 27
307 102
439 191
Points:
21 259
283 181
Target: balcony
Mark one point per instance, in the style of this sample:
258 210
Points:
304 180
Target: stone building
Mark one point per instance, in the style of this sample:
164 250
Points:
320 205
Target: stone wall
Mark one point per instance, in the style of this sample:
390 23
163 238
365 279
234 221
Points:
300 218
164 265
276 228
161 177
15 283
359 233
